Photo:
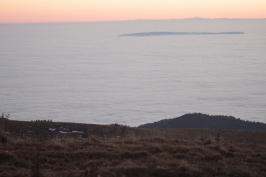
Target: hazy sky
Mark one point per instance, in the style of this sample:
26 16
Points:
20 11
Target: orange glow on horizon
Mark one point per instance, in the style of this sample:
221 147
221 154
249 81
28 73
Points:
30 11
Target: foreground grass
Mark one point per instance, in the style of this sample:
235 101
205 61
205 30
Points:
141 152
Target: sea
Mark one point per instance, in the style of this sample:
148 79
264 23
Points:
91 72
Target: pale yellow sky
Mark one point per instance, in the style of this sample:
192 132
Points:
27 11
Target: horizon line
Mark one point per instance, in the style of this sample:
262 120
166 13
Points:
104 21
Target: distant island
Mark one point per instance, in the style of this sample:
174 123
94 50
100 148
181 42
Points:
179 33
204 121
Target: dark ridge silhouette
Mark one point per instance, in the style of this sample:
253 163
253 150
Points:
179 33
204 121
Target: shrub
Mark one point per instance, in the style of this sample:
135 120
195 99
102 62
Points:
3 138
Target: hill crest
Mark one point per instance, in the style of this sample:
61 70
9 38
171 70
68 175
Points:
205 121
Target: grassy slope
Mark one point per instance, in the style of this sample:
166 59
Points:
140 152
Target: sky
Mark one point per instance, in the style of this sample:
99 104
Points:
32 11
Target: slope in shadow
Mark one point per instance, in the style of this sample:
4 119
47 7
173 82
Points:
198 120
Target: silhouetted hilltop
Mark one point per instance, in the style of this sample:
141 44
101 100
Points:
198 120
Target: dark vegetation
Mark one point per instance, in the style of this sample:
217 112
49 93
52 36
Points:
204 121
45 148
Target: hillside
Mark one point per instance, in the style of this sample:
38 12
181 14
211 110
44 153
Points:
204 121
57 149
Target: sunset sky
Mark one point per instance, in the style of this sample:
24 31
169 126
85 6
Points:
28 11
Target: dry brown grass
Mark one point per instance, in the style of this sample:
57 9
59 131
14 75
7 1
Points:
142 152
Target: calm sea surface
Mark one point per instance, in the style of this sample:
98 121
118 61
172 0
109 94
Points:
85 72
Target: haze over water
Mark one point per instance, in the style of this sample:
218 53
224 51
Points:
86 72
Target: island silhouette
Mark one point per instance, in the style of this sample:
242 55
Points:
179 33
